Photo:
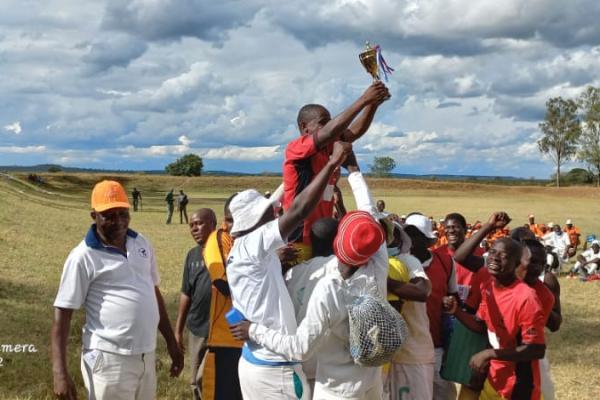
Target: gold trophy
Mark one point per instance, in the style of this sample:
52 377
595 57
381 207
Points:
372 60
368 59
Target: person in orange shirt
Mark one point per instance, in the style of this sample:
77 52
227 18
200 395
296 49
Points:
533 227
220 379
573 233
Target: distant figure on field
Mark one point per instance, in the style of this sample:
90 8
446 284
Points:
137 197
170 200
182 202
113 274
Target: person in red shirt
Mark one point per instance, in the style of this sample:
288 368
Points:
512 314
469 293
441 273
308 154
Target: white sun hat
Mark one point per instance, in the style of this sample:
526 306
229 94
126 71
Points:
247 208
422 223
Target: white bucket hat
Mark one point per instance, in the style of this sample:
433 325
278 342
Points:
247 208
422 223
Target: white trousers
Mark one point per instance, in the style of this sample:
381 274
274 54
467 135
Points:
260 382
546 379
109 376
442 389
410 381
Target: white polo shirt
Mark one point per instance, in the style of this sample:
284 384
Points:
257 287
117 292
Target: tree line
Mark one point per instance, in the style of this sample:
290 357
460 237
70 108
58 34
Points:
571 130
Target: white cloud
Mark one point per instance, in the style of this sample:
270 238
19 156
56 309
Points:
22 150
15 127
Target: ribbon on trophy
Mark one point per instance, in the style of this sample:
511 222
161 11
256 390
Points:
383 66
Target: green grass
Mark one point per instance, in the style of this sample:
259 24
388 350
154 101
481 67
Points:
38 228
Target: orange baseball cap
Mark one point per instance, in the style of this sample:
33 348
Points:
107 195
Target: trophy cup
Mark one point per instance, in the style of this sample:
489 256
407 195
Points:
372 60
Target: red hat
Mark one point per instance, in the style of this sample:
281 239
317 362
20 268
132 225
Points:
358 237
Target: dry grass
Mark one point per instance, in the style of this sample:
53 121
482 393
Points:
38 229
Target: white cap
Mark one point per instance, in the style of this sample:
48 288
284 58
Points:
569 222
247 208
422 223
550 224
595 242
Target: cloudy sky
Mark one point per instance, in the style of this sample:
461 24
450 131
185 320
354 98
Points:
135 84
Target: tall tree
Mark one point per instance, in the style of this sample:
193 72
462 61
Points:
188 165
561 131
589 142
382 166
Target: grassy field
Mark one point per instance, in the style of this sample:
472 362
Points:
40 225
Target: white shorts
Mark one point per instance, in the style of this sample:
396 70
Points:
410 381
546 379
260 382
442 389
110 376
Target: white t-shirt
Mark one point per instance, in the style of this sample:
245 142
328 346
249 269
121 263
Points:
589 255
559 242
324 331
117 292
257 287
301 281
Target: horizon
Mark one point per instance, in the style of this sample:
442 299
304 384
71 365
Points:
112 84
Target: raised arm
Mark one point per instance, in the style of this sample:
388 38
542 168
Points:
360 126
308 199
464 254
338 126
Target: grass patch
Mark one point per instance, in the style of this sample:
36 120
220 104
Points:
39 225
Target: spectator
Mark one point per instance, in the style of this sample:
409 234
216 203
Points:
588 261
113 274
194 300
573 233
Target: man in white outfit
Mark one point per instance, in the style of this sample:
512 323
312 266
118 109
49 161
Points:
360 266
257 286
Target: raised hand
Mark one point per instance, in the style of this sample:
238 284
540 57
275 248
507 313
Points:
376 93
499 220
341 150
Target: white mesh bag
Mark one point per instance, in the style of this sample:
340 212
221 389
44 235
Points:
377 330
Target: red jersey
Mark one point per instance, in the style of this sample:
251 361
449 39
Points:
513 316
441 274
303 161
469 282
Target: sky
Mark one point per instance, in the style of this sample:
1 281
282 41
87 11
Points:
136 84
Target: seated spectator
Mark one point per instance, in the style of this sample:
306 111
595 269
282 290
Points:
588 261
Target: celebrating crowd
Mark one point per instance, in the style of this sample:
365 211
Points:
475 299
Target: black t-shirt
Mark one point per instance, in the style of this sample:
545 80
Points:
197 285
